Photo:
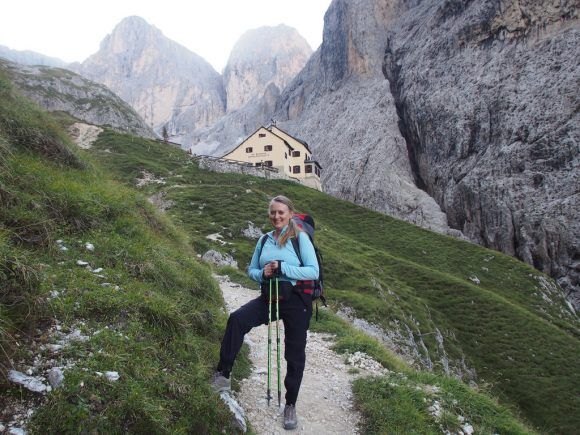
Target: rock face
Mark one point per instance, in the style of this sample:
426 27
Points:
342 106
56 89
261 57
261 64
163 81
27 57
488 99
473 105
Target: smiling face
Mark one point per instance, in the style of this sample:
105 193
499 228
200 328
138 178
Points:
280 215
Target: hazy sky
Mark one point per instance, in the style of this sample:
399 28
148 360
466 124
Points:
72 30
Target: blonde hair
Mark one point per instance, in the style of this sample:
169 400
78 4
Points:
292 230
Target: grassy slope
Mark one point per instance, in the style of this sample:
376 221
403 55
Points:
389 271
160 328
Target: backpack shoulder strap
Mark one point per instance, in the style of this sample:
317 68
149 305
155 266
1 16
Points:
262 242
296 246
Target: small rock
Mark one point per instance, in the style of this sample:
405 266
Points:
55 377
76 335
89 246
63 248
98 270
54 347
29 382
220 259
82 263
474 278
467 429
17 431
112 376
252 232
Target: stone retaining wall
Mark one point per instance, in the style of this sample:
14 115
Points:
224 166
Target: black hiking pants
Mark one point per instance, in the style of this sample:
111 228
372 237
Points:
295 312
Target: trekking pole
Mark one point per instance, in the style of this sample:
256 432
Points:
268 395
278 341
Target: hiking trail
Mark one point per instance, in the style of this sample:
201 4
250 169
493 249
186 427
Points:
325 402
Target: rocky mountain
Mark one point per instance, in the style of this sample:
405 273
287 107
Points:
27 57
260 66
453 112
263 56
164 82
57 89
342 106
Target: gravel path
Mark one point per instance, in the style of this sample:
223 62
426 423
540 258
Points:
325 402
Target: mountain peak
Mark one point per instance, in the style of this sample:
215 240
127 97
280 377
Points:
134 23
261 57
132 32
158 77
264 41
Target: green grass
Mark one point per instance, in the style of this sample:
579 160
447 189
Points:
158 322
400 403
392 274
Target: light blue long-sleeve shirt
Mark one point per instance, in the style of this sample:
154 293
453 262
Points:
291 269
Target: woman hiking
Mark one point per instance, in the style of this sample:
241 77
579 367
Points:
276 258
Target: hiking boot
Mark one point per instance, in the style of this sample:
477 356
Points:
220 383
290 419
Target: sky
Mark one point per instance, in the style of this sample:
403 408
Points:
72 30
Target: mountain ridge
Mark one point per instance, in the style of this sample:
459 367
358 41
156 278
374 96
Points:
56 89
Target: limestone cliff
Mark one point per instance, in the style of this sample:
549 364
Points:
489 103
261 64
57 89
342 106
263 56
466 106
164 82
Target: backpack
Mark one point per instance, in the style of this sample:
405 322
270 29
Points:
312 287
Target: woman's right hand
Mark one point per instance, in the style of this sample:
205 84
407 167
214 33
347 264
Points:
270 269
